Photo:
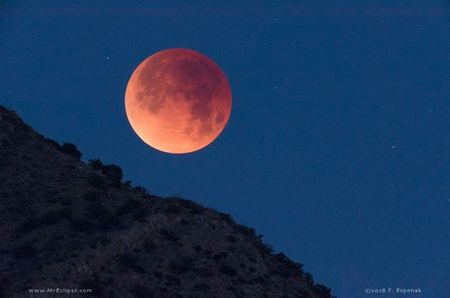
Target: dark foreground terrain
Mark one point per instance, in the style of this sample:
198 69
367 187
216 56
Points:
68 224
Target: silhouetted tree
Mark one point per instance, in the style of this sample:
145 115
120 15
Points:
141 189
309 279
112 171
228 270
96 164
53 143
71 150
321 291
97 181
24 251
141 291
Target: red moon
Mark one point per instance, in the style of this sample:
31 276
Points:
178 101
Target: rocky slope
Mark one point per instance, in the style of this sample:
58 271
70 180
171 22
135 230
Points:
71 225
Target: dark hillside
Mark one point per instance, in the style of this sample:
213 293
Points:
68 224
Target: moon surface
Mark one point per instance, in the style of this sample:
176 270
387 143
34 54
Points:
178 101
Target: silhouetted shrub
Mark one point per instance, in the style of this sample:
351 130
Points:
208 252
74 245
65 200
226 217
249 232
92 195
172 280
157 274
281 257
140 291
141 189
193 207
96 163
228 270
202 271
220 256
172 209
263 248
112 172
259 279
231 238
170 235
103 240
287 267
201 287
28 225
3 162
163 289
129 261
109 221
140 214
182 265
134 207
52 200
65 212
27 157
321 291
94 284
234 291
50 218
70 167
96 210
309 279
53 143
24 251
97 181
81 225
70 149
148 246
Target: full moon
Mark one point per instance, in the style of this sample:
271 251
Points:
178 101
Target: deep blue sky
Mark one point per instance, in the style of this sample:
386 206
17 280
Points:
337 149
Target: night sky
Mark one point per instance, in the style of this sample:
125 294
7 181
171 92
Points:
337 148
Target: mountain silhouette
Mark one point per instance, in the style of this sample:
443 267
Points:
67 225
